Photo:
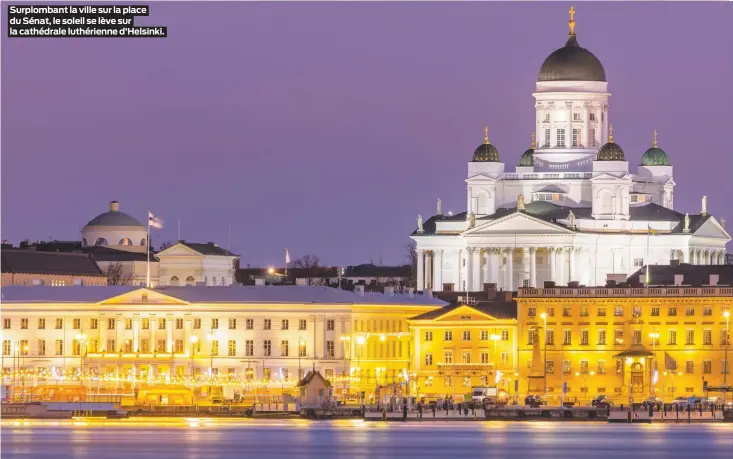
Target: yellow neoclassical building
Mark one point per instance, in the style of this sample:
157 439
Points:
623 342
461 346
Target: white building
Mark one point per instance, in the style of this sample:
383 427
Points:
188 263
116 230
254 332
572 211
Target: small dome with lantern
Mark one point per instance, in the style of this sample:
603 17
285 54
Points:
655 156
527 158
610 151
486 152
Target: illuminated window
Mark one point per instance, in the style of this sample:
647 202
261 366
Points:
672 311
655 311
618 311
448 336
428 336
285 324
602 337
707 366
505 335
128 324
550 366
707 337
466 335
41 347
302 349
161 324
302 324
466 357
448 357
672 337
146 323
689 337
532 312
232 324
601 367
689 366
330 325
42 323
584 366
550 312
125 241
550 337
111 345
428 358
178 346
267 347
484 357
59 347
567 337
584 337
576 136
59 324
284 348
636 337
197 323
690 311
214 324
567 312
233 347
268 324
111 323
584 311
190 280
601 312
101 241
331 349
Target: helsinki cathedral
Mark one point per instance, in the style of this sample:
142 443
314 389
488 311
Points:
571 211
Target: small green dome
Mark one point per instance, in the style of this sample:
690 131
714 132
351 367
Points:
527 158
654 156
486 153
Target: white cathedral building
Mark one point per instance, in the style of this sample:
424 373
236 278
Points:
572 211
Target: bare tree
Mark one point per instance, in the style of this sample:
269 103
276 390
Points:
309 267
116 275
166 244
411 255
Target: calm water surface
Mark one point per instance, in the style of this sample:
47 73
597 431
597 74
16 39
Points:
264 439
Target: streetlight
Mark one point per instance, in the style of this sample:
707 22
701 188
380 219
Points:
654 336
543 316
194 340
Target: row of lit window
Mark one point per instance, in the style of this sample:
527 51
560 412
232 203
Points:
484 335
161 346
378 326
466 357
636 337
162 324
619 311
567 367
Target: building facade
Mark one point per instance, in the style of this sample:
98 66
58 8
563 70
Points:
572 211
624 342
123 339
189 263
28 267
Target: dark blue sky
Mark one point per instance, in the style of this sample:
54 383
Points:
327 127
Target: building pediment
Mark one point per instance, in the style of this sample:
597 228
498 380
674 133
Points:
518 222
178 250
712 229
144 296
464 313
610 176
481 177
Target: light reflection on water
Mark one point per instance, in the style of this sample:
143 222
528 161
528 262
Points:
189 438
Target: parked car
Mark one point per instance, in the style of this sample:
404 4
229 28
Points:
684 402
654 401
534 401
601 401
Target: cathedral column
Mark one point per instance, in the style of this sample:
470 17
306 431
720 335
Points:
469 269
509 275
438 269
485 268
569 130
571 270
533 267
553 260
686 256
476 262
429 269
493 266
420 274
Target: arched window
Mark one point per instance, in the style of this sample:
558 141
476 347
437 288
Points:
190 280
174 281
125 241
101 241
84 242
142 242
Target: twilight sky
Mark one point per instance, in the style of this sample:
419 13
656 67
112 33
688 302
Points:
327 127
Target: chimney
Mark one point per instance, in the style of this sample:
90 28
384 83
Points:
714 279
389 291
114 206
359 289
674 262
260 282
411 292
678 279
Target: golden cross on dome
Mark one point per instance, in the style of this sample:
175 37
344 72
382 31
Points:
534 144
655 144
571 23
610 134
486 135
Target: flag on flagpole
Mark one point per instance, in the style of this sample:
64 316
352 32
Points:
154 221
651 232
287 256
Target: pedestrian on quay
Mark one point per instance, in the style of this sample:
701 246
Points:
404 412
419 410
434 408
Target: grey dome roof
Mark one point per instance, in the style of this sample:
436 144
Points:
572 63
114 218
610 152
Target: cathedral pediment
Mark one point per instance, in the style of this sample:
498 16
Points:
712 229
519 223
481 177
610 176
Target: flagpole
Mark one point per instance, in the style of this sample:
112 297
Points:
147 249
286 263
